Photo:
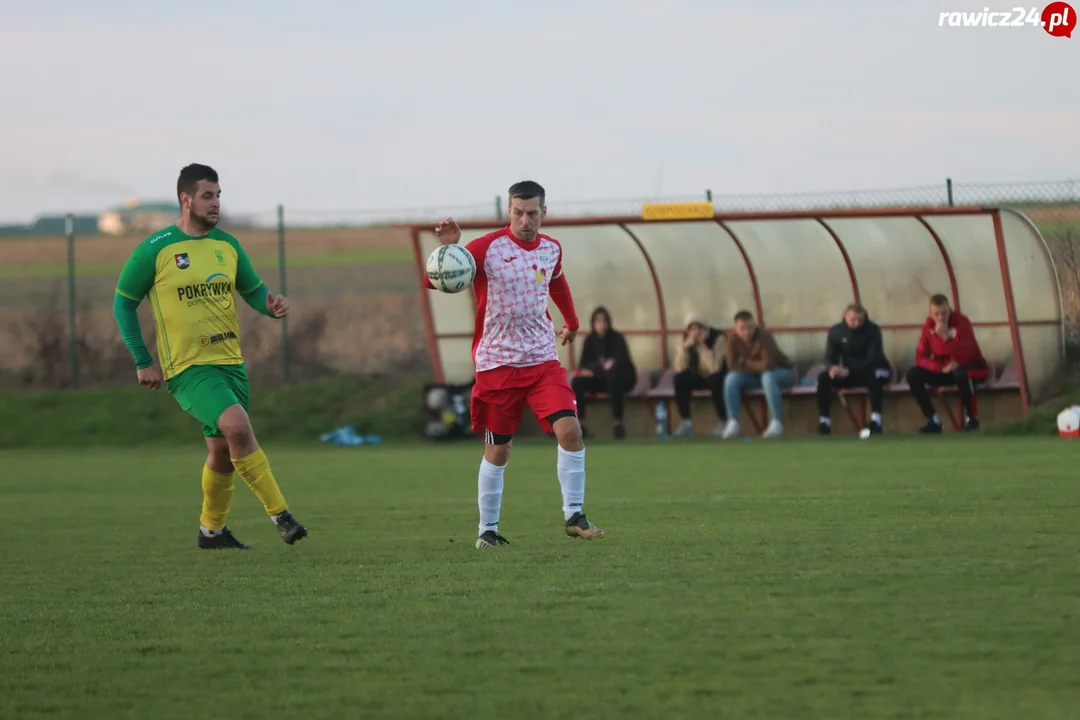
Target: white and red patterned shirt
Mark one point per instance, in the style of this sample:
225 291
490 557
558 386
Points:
513 281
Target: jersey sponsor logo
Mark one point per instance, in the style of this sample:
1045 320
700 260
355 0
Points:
162 236
216 338
214 319
210 291
182 261
224 278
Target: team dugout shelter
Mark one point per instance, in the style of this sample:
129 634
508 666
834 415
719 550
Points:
796 272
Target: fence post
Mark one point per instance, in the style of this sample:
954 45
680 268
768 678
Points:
283 290
708 195
948 189
498 207
73 341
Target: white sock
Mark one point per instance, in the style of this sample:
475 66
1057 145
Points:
935 419
207 532
875 417
489 487
571 467
824 421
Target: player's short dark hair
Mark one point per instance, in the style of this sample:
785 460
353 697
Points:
527 190
744 315
188 182
939 300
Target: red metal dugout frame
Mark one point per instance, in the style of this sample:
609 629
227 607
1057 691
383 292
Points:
721 219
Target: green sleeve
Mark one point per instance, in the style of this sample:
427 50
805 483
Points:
126 312
248 283
137 277
257 299
247 280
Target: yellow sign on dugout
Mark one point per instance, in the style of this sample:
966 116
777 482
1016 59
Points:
677 211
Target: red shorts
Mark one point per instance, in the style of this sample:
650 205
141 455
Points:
500 396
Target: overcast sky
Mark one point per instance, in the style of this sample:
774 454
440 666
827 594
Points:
339 104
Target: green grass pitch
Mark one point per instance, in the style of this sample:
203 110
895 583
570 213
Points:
900 578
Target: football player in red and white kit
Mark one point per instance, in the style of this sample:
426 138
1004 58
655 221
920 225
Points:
517 362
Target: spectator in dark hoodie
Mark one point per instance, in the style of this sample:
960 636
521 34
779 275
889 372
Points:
948 354
855 354
605 367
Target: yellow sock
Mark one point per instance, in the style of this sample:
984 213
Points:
217 489
255 469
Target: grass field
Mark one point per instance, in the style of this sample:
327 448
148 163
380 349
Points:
906 578
299 412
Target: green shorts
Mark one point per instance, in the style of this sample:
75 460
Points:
206 391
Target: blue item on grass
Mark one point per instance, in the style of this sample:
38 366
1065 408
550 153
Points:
347 436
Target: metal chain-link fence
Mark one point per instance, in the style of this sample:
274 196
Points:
352 276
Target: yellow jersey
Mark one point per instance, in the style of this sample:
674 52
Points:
192 283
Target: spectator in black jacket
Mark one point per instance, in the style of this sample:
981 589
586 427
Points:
856 357
605 367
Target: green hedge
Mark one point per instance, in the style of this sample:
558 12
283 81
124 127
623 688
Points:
1042 420
136 416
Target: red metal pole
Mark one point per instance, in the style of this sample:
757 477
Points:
659 296
425 306
945 257
847 258
1010 307
749 269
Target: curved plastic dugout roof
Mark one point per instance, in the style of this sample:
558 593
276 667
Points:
795 271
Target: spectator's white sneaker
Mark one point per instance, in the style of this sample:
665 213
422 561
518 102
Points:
731 429
718 431
774 430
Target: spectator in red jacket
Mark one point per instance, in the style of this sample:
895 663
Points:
947 354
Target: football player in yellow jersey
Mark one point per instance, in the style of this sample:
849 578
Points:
190 272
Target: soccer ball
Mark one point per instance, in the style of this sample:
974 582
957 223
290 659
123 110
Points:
1069 422
451 268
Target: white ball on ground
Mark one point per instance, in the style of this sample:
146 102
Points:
451 268
864 433
1069 422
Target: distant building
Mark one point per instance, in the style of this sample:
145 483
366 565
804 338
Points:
137 217
144 218
53 225
57 224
